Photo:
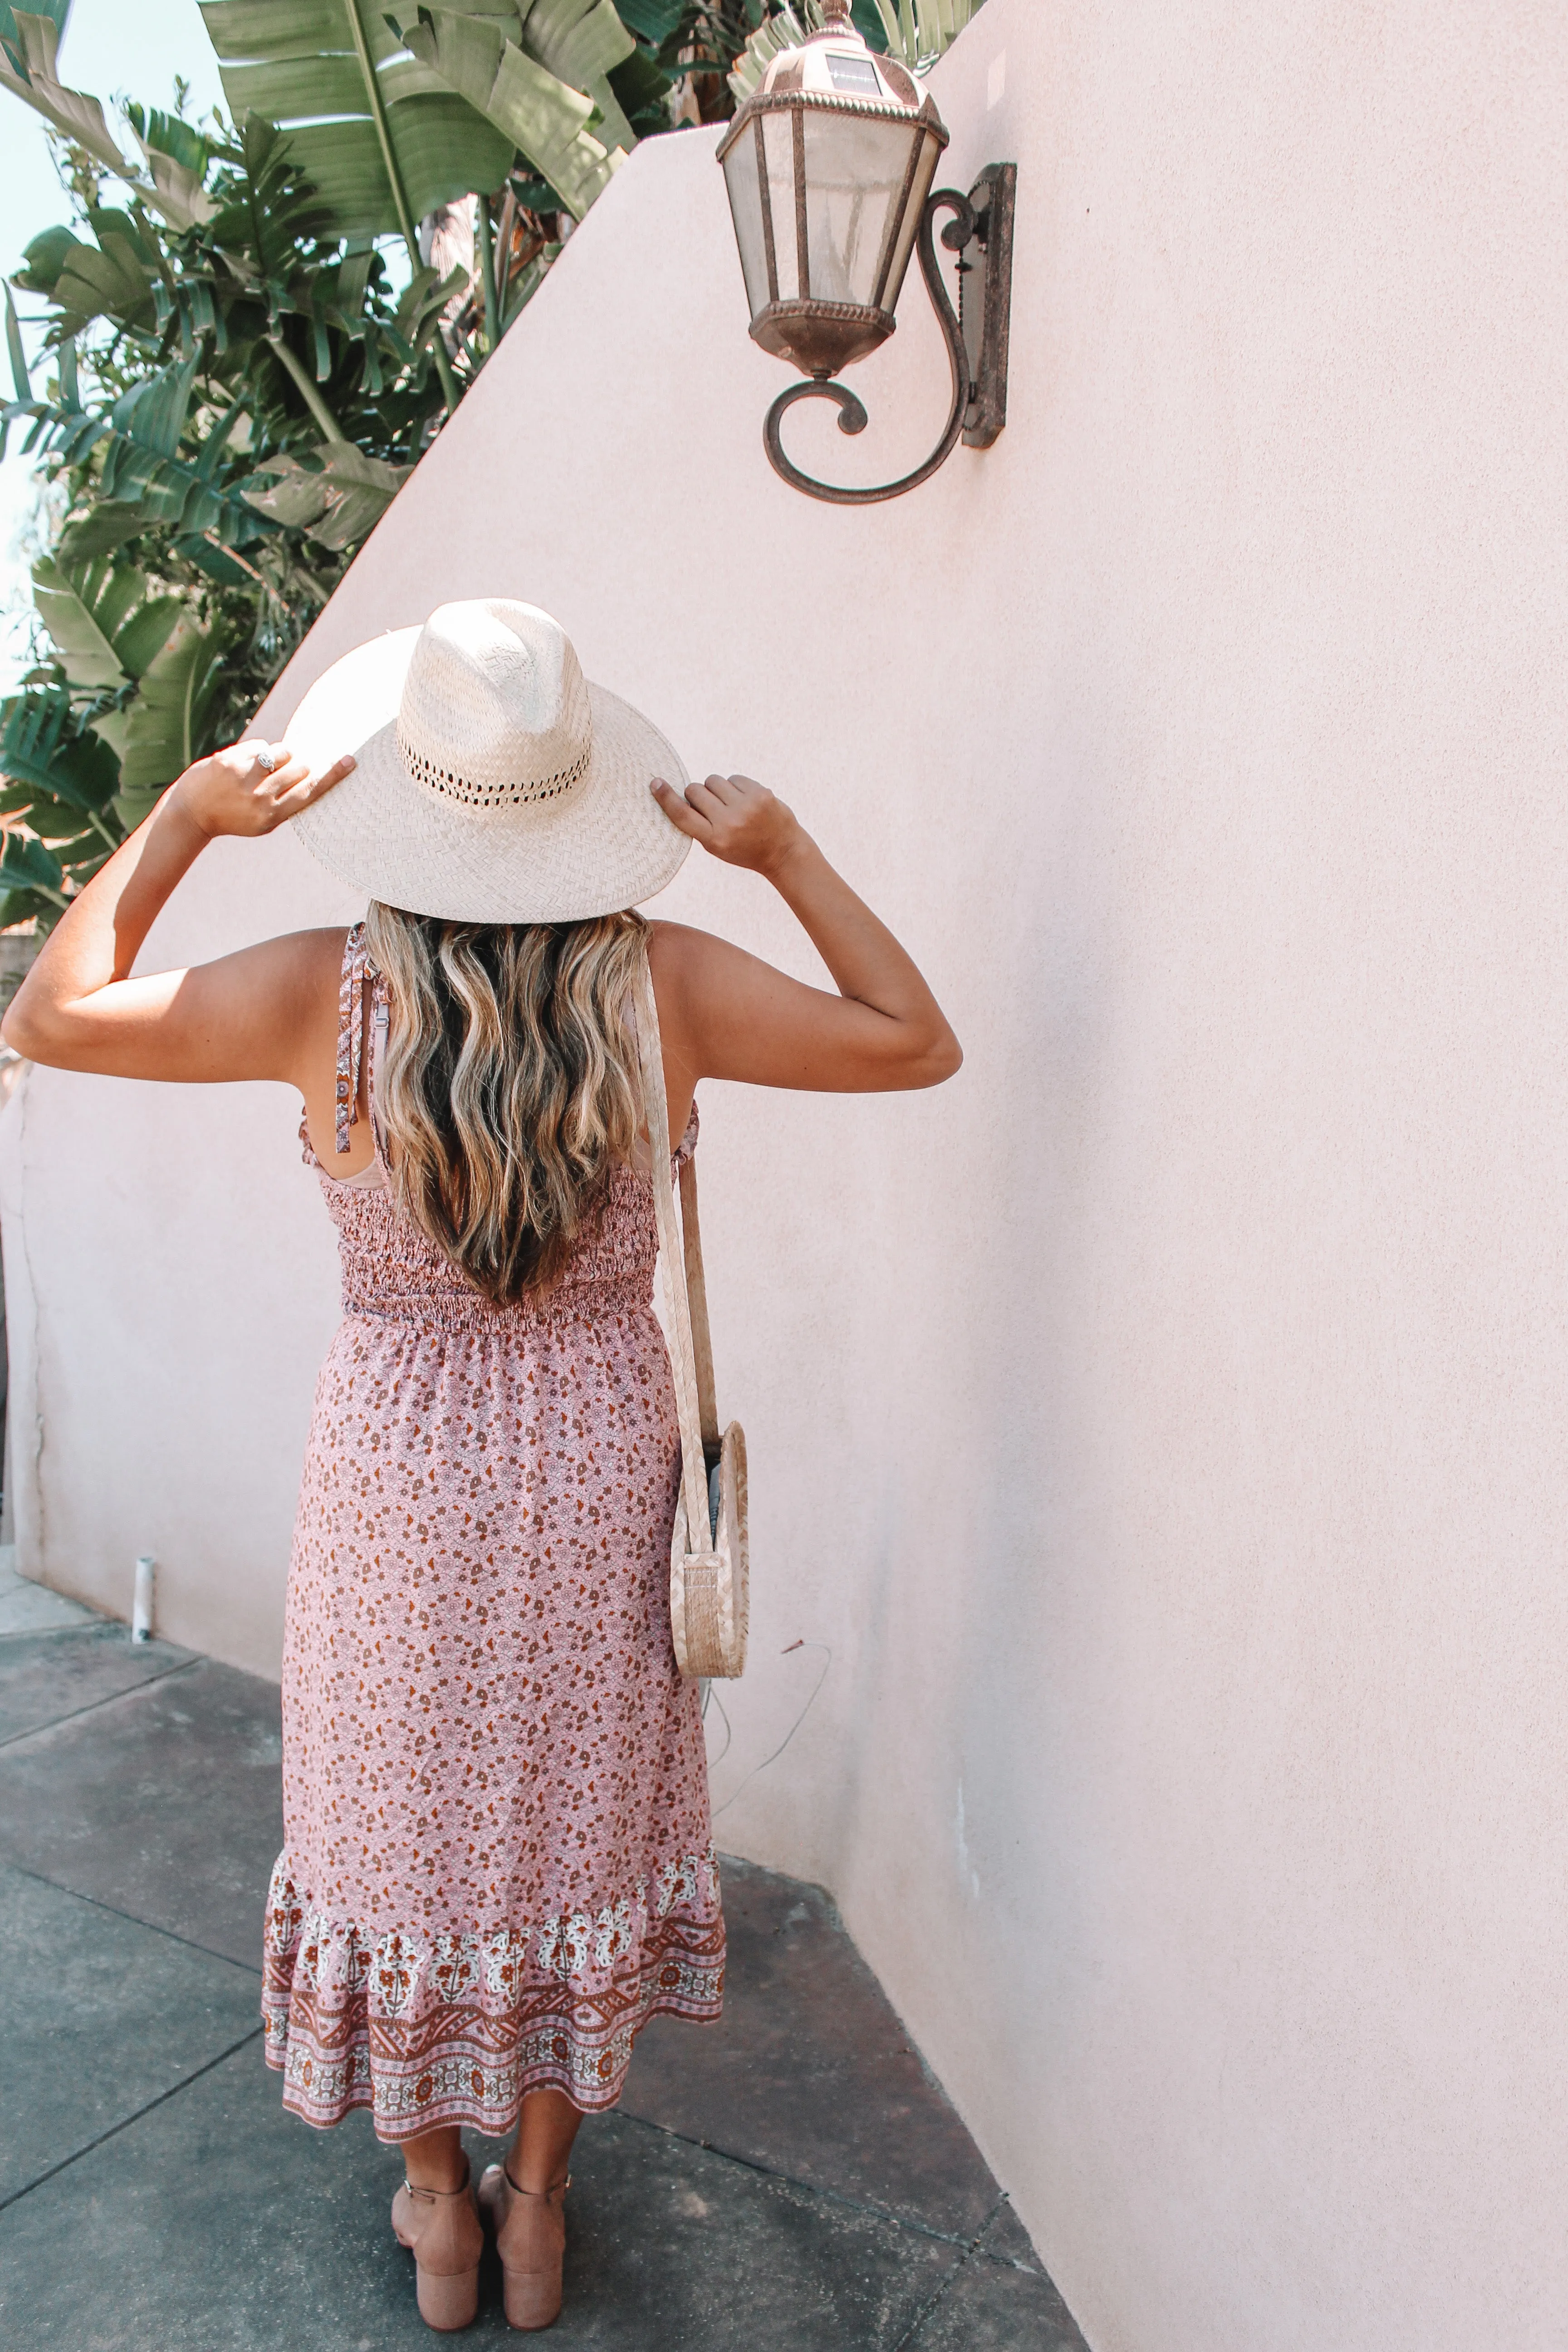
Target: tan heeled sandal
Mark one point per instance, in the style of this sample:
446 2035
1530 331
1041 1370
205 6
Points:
441 2228
530 2239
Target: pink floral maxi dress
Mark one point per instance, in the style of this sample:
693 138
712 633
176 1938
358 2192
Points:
498 1863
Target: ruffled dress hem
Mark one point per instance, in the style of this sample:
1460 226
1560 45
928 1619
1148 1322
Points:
456 2027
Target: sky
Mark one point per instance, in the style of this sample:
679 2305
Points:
114 50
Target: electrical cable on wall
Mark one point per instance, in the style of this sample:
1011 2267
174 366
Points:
789 1735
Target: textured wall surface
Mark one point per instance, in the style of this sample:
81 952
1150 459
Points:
1162 1425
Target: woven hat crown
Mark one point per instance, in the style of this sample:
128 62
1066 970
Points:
494 711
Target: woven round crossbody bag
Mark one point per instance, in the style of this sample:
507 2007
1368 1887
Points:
708 1563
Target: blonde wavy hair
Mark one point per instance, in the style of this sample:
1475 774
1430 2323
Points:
510 1091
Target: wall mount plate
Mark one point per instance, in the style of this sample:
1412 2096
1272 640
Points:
984 307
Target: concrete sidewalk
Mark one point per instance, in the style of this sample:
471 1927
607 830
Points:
789 2178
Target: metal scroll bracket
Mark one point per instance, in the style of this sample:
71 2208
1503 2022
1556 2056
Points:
981 234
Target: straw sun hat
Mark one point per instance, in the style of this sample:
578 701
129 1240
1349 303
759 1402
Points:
494 784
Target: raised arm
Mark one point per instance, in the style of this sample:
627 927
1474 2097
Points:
726 1014
246 1015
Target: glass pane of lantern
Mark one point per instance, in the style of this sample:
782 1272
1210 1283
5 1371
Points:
778 140
925 173
746 205
855 170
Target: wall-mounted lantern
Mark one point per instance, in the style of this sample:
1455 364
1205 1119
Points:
828 166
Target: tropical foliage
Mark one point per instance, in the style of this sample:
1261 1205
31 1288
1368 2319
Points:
917 31
233 385
228 399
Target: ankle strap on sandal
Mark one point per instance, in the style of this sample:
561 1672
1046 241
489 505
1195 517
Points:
414 2191
540 2196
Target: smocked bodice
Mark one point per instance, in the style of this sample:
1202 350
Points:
392 1270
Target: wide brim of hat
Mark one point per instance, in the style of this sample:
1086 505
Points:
604 846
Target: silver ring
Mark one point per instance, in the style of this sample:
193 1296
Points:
266 762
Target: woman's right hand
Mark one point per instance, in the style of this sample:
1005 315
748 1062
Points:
231 792
734 819
725 1014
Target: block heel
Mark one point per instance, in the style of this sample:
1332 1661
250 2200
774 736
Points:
530 2239
447 2300
441 2230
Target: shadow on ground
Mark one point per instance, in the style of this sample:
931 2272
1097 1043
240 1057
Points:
790 2178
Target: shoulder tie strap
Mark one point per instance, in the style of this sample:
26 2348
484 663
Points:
358 973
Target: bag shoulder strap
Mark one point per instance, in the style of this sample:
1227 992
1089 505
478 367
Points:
697 1293
678 1255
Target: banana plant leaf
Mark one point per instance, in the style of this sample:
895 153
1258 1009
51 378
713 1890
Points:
104 527
582 42
82 857
154 412
104 618
918 31
43 261
29 43
537 113
81 624
165 731
362 489
578 40
264 216
312 63
24 407
56 11
335 493
442 147
27 70
656 20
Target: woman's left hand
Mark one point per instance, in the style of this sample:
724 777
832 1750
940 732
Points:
236 791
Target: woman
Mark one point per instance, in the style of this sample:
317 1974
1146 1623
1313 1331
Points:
498 1861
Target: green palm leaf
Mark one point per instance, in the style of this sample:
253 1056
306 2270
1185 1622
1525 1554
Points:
177 157
27 865
51 763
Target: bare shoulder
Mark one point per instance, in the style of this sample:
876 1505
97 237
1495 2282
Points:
305 968
671 946
316 955
690 969
684 961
